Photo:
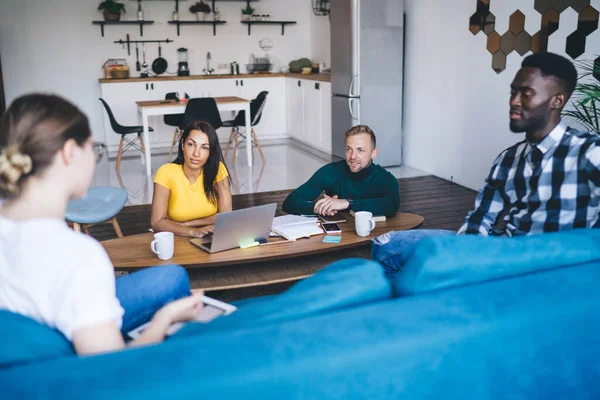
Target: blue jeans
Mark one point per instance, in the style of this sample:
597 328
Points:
392 249
144 292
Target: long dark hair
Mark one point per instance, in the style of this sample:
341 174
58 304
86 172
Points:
215 157
33 129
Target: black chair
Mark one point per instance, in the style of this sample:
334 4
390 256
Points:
202 109
124 131
256 108
175 120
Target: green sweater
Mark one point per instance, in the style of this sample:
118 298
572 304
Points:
372 189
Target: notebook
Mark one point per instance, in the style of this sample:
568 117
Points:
376 218
294 227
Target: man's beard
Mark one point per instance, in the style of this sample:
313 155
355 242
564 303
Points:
537 120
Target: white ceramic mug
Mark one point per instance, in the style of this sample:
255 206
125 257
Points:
163 245
364 223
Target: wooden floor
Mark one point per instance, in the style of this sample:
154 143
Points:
442 204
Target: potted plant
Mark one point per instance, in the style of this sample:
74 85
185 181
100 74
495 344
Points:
585 103
112 10
200 7
247 13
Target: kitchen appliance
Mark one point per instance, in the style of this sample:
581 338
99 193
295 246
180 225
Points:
367 62
235 68
182 55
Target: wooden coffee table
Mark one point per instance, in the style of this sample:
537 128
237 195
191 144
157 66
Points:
260 265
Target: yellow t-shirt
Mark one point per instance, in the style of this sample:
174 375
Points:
187 201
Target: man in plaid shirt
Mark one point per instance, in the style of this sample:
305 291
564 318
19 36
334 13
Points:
546 183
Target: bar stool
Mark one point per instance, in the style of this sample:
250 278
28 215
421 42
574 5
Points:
256 108
99 205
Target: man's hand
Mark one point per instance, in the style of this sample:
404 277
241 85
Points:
330 205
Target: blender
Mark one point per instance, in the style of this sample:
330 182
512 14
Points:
182 54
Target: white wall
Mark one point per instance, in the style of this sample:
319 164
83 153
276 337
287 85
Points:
456 106
52 46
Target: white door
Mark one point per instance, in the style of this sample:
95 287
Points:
326 117
273 121
312 113
295 108
121 98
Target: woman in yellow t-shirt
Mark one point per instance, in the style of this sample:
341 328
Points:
190 191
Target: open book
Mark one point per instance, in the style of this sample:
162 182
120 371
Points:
211 310
294 227
376 218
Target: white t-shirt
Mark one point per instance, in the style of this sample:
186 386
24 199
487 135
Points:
56 276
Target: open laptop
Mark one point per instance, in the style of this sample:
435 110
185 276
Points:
238 228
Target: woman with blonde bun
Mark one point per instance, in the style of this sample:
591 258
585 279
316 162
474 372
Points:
52 274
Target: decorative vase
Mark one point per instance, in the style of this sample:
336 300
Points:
246 17
108 16
197 17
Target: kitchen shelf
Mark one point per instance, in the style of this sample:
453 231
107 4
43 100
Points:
213 23
282 23
140 23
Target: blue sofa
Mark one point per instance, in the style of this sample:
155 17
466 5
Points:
467 318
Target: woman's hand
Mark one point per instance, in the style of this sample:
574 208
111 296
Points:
182 310
201 232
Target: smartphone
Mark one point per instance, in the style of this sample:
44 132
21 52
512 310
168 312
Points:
331 228
332 219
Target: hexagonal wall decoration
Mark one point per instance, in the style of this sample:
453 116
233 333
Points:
489 24
516 22
507 44
499 62
523 43
519 40
579 5
493 42
587 21
576 44
475 23
542 6
596 72
561 5
483 6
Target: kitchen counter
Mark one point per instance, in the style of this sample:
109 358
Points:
312 77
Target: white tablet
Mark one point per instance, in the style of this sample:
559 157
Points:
212 309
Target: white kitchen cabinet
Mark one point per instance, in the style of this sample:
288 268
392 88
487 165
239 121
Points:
273 121
326 117
295 108
312 113
309 113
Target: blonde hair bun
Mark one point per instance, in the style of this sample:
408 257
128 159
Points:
13 165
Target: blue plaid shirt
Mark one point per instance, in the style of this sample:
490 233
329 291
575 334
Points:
550 186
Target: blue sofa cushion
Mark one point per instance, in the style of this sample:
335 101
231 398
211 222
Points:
447 261
531 337
343 284
25 340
